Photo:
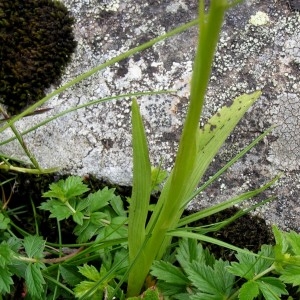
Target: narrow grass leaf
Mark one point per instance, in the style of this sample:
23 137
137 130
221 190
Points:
228 165
226 204
139 202
214 133
204 238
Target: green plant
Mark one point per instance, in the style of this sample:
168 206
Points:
200 276
126 244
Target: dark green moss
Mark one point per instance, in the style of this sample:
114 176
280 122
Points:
36 43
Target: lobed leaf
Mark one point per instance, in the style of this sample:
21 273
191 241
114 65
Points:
291 274
249 290
57 209
4 221
67 189
86 231
34 280
249 265
293 239
34 246
89 272
84 287
190 250
213 282
167 272
5 280
78 217
100 199
5 254
271 288
70 274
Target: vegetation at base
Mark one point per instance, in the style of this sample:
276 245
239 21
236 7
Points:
135 249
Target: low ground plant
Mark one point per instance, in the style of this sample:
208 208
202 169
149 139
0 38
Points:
137 250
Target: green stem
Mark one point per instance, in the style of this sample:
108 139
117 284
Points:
171 200
270 269
21 140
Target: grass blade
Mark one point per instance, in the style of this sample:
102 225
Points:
139 203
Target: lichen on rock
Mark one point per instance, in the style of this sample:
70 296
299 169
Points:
36 43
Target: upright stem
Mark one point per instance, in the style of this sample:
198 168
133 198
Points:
21 141
175 191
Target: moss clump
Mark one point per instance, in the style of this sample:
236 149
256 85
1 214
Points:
36 43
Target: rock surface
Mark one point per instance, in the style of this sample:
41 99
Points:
259 49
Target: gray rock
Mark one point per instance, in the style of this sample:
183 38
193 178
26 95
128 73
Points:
259 49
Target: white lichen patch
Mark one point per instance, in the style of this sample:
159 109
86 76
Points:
175 5
284 152
259 19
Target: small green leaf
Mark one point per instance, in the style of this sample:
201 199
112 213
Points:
5 281
97 218
157 177
167 272
34 280
249 265
4 221
213 282
89 272
67 189
70 274
117 205
281 242
249 290
293 239
78 217
151 294
271 288
34 246
100 199
58 209
86 231
291 274
169 289
190 250
84 287
5 254
15 244
245 267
